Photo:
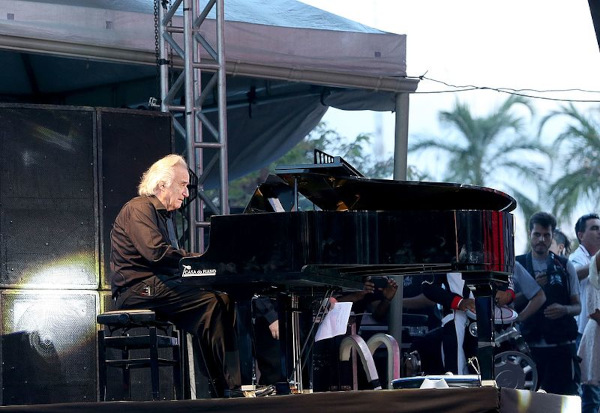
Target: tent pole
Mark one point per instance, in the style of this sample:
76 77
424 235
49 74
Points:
401 136
400 167
222 103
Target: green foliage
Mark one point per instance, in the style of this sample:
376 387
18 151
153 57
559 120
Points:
485 146
330 141
578 158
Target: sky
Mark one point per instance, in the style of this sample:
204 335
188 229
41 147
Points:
544 45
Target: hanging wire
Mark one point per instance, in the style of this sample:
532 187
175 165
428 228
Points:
525 92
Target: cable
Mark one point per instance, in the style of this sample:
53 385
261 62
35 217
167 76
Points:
525 92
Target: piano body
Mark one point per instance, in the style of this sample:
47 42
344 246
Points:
356 227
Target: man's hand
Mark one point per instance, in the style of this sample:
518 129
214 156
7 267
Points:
541 279
368 287
274 329
503 298
389 291
554 311
467 304
596 316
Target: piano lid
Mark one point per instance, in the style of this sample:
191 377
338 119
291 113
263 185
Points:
356 193
332 184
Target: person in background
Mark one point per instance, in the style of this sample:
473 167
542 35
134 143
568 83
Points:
589 348
373 298
145 272
587 229
551 332
588 234
454 295
529 295
427 345
561 245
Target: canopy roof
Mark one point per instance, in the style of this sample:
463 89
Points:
286 63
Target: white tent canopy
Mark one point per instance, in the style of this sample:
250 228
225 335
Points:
286 63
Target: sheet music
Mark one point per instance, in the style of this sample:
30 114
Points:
335 322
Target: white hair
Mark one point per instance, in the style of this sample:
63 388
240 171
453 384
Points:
160 173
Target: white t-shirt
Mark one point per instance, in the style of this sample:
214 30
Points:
581 258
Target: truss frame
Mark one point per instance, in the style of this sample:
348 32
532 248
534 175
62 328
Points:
186 41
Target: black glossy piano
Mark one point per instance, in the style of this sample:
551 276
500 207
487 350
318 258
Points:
324 225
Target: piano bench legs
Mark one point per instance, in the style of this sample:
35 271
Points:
136 339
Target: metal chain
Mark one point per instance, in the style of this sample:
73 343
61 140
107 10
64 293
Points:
154 101
165 4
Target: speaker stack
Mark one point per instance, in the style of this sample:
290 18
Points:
64 174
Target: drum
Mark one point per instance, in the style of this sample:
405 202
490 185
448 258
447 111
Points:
502 315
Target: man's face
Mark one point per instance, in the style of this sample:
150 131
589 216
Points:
172 196
590 237
540 238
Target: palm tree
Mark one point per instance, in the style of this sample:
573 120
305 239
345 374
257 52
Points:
579 148
487 145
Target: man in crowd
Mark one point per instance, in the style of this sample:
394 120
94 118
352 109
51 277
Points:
457 301
551 331
145 263
589 348
587 229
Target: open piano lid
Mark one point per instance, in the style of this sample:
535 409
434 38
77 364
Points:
333 184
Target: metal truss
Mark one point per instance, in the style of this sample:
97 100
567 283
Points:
179 49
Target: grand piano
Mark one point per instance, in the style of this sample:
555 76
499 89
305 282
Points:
326 226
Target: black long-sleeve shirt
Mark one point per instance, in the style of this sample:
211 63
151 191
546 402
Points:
447 292
140 245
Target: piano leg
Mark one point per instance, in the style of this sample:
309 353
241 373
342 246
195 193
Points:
291 336
245 341
297 331
286 341
485 330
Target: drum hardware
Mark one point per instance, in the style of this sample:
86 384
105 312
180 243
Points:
513 367
515 370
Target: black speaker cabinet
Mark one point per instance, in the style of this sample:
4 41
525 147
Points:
48 197
129 141
65 172
51 157
48 346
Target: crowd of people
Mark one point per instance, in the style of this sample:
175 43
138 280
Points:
556 293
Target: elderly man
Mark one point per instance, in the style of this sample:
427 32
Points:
145 262
551 331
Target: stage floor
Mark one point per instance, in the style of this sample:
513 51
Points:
483 399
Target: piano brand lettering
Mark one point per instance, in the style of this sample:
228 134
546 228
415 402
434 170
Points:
189 272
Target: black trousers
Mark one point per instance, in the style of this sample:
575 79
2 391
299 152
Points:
558 368
450 347
209 315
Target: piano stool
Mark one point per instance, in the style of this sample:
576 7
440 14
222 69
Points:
121 330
